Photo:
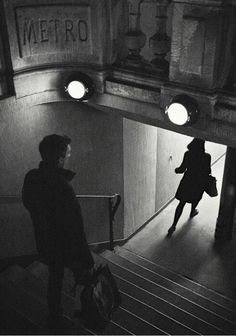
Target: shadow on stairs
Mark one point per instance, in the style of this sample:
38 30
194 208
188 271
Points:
155 301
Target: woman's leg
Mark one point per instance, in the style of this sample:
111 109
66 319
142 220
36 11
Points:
178 213
194 211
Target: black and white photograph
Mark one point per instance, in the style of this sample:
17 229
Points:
117 167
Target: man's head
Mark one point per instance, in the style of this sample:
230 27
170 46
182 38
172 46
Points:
55 149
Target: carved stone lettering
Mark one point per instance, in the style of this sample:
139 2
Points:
52 29
83 30
29 32
43 30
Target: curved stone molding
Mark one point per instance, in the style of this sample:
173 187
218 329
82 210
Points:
54 79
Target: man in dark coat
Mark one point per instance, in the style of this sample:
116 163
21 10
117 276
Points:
56 216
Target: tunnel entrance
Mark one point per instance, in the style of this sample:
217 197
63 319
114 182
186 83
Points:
151 155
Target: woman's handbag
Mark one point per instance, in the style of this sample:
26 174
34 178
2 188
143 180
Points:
210 187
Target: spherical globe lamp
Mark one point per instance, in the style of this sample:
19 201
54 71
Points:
182 111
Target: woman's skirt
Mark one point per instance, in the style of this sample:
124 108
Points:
190 189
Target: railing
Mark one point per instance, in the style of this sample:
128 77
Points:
113 204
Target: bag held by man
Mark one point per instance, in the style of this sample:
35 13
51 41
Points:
99 299
210 187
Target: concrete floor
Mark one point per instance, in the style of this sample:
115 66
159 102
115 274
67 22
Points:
191 250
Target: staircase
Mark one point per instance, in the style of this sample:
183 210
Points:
155 301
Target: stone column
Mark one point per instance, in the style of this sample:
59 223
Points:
135 39
6 84
231 83
202 33
225 218
160 42
3 79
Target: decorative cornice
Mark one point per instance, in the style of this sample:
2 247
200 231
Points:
207 3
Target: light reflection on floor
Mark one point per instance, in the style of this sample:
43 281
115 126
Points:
191 251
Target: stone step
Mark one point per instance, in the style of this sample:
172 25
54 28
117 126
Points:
165 324
194 324
14 323
129 321
204 294
37 288
166 291
27 296
32 311
136 325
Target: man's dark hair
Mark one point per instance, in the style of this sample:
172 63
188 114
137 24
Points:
53 146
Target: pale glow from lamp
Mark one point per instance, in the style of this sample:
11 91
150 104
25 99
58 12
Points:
178 114
79 86
76 89
182 111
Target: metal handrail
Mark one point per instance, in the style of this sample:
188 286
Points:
11 196
113 204
96 196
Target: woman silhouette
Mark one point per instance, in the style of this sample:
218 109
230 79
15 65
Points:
196 166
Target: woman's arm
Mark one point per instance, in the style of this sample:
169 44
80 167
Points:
209 164
181 169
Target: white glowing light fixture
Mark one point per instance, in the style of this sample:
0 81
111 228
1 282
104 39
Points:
79 86
76 89
183 110
178 114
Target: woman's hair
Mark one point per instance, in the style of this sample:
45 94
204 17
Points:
197 145
53 146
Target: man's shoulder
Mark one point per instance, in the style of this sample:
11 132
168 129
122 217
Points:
62 184
32 174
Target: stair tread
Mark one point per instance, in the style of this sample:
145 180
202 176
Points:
38 288
143 324
192 285
169 310
32 309
179 288
111 329
21 325
135 324
116 329
154 300
154 317
13 272
129 271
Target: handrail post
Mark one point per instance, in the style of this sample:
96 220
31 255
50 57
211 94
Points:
112 211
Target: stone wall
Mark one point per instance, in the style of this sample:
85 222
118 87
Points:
97 157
